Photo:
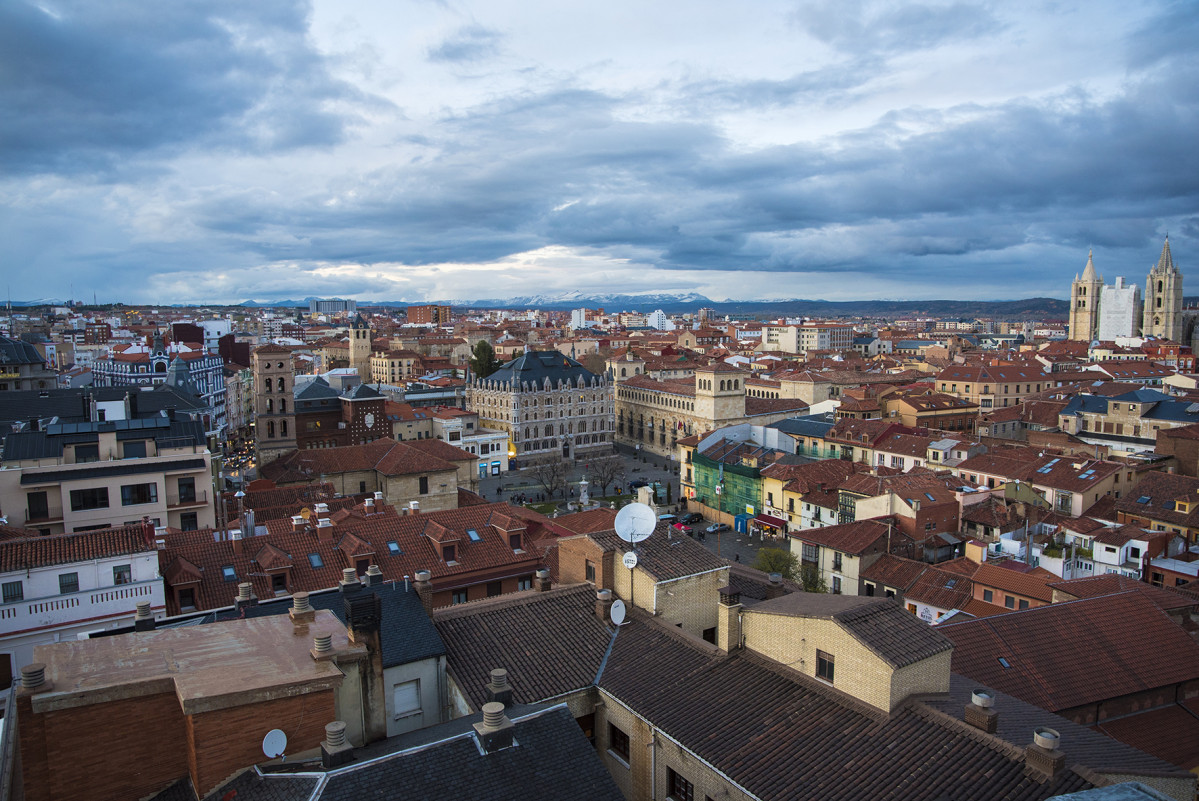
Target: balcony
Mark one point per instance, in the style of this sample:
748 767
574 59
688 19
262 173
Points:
91 605
50 514
187 499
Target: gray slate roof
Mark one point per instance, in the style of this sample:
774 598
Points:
812 425
666 554
14 351
536 366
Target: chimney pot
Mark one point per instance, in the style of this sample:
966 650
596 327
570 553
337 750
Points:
335 751
603 603
33 675
322 643
243 591
1046 738
1042 758
378 496
424 588
143 610
542 581
982 698
775 588
298 522
335 732
979 712
349 576
300 602
493 714
495 732
143 620
498 689
374 576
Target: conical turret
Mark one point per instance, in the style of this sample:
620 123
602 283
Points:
1165 264
1088 273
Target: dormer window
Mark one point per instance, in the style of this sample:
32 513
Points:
448 552
514 541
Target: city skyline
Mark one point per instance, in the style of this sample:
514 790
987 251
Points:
839 151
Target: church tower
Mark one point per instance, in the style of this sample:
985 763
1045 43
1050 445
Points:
1084 303
1163 299
360 347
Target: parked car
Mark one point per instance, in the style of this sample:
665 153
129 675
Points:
637 483
717 528
692 517
667 518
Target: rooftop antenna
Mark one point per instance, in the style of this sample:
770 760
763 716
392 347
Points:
634 523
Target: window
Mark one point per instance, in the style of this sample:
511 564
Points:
314 559
187 599
393 548
279 583
189 521
448 552
494 588
678 788
228 573
514 541
459 596
405 699
1023 604
87 453
837 560
988 595
524 583
68 583
618 743
1009 602
836 585
95 498
869 588
122 574
589 570
135 494
424 485
187 490
13 591
135 449
824 666
811 553
473 535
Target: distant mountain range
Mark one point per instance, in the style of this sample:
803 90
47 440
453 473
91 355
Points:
1029 308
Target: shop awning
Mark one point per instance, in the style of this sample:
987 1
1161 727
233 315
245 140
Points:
773 522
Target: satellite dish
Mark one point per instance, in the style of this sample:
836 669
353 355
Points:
635 522
629 560
617 612
275 743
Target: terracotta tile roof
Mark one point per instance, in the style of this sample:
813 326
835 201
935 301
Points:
549 642
386 456
757 406
894 571
1157 495
943 589
1170 733
851 538
1109 583
26 552
593 520
1032 584
666 554
1079 652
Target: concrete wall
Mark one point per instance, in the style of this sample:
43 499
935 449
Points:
691 602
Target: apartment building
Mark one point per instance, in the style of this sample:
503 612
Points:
992 387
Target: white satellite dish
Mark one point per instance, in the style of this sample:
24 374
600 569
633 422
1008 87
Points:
275 743
629 560
635 522
617 612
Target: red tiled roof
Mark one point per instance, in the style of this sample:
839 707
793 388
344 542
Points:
1109 583
26 552
1032 584
1079 652
852 538
1170 733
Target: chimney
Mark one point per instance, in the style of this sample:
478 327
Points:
235 540
335 750
33 678
980 713
324 529
301 609
424 588
1042 759
374 576
498 689
322 510
378 497
322 647
775 588
144 619
349 581
369 506
414 507
495 732
245 596
728 620
298 523
603 604
541 580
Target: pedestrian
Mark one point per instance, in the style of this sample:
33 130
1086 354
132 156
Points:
737 558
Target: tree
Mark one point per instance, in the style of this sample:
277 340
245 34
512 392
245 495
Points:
778 560
482 360
551 476
669 488
606 470
812 581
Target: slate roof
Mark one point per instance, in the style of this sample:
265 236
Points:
24 553
14 351
537 366
781 735
666 554
49 442
551 643
1078 652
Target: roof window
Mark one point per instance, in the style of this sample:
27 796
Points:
474 535
394 548
228 573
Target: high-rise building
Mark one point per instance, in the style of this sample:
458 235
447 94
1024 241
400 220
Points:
430 314
331 306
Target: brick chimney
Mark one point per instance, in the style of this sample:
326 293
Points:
1042 758
321 510
378 498
424 588
374 576
245 596
143 620
364 615
775 588
414 507
728 620
541 580
495 732
368 506
980 712
498 689
235 540
603 604
335 749
324 529
298 523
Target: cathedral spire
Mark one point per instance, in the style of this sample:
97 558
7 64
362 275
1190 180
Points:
1088 273
1165 264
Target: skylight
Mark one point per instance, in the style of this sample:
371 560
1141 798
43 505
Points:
314 559
394 548
229 573
1143 499
1006 664
474 535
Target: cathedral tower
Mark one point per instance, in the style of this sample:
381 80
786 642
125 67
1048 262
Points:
1084 303
1163 299
360 347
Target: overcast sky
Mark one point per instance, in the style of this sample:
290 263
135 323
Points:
224 150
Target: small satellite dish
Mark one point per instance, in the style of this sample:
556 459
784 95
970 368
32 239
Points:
617 612
629 560
635 522
275 743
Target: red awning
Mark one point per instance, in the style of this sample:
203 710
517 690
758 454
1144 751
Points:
773 522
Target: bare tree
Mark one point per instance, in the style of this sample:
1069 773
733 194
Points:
606 470
552 477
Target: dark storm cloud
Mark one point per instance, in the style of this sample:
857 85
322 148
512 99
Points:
93 84
468 43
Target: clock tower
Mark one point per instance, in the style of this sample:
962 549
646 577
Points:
363 410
